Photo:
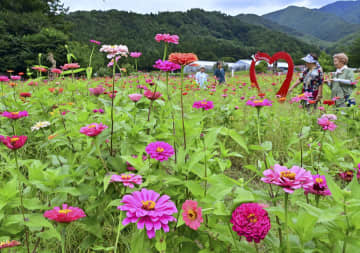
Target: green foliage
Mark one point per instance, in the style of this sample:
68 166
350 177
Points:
354 53
262 67
326 62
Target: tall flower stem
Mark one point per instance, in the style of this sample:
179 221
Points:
101 158
317 200
165 50
320 149
347 227
118 233
172 114
136 65
286 222
182 104
258 132
256 247
205 168
112 107
63 239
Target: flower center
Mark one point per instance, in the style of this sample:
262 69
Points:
126 177
65 211
159 149
15 113
4 243
349 173
14 139
319 180
288 174
91 126
252 218
192 214
258 101
204 102
148 205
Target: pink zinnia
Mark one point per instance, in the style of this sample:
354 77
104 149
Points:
127 179
56 71
149 210
151 95
114 50
167 38
135 97
13 142
192 214
9 244
70 66
166 66
259 103
160 151
252 221
135 54
93 129
206 105
288 179
15 115
326 122
15 78
95 42
4 79
319 186
65 215
347 175
304 96
98 90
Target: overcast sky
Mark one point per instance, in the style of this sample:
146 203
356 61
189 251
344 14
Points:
231 7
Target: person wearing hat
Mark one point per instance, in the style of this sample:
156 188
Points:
312 79
201 77
342 82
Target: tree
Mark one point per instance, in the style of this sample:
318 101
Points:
354 54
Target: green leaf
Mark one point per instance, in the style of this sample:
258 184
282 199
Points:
106 182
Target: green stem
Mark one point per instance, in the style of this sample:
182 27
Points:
347 227
101 158
182 105
118 233
232 235
205 165
112 108
286 222
136 65
165 50
91 55
317 200
63 239
258 124
256 247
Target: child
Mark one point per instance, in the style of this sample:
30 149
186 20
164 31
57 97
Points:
201 78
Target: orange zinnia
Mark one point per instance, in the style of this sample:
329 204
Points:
182 58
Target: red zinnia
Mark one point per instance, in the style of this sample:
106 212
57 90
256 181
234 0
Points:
182 58
25 94
14 142
66 214
328 102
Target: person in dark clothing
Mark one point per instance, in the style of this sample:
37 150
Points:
219 73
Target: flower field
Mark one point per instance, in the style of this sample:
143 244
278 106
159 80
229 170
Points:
151 163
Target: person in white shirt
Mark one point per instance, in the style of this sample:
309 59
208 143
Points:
201 78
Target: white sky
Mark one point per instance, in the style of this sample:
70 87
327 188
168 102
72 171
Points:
231 7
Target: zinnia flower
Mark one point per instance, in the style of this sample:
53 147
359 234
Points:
25 94
15 115
135 54
151 95
56 71
114 50
15 78
93 129
259 103
135 97
304 96
206 105
167 38
127 179
9 244
70 66
347 175
98 90
65 215
328 102
13 142
95 42
288 179
252 221
166 66
4 79
40 124
160 151
149 210
326 123
192 214
182 58
319 186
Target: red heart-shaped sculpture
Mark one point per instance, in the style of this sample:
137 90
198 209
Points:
278 56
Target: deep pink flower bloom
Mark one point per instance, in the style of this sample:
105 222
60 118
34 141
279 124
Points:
252 221
56 71
192 214
288 179
70 66
65 215
167 38
127 179
206 105
319 186
4 79
347 175
304 96
15 115
9 244
98 90
166 66
160 151
326 122
259 103
151 95
135 54
149 210
135 97
13 142
93 129
15 78
95 42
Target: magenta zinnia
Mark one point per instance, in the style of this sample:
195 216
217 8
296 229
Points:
192 214
259 103
65 215
135 54
9 244
319 186
252 221
13 142
127 179
70 66
166 66
326 122
152 95
206 105
98 90
15 115
160 151
149 210
135 97
288 179
167 38
93 129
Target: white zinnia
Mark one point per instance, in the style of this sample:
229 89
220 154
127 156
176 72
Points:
40 124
